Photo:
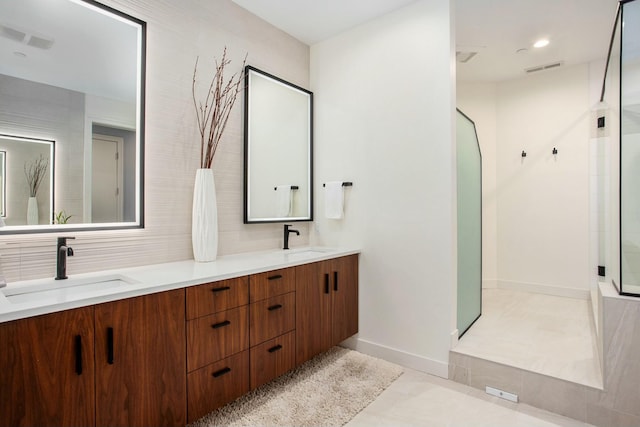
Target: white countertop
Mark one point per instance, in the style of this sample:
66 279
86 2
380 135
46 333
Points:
18 301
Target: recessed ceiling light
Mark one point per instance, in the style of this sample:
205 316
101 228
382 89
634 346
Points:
541 43
20 54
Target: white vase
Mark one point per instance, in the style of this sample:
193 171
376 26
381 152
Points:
204 219
32 211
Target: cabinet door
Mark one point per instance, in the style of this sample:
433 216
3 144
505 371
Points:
47 372
272 317
313 310
217 384
140 361
344 290
271 359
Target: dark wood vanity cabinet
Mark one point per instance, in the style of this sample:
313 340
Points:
272 324
114 364
140 359
47 370
169 358
217 330
327 305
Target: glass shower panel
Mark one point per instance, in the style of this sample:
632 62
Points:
607 164
630 149
469 186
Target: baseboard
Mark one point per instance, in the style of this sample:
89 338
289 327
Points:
545 289
409 360
489 284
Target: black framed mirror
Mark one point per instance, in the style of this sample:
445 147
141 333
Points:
73 72
278 150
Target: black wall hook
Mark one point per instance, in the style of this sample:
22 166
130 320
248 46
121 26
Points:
555 151
524 154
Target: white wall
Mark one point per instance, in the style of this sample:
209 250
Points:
177 32
541 202
384 110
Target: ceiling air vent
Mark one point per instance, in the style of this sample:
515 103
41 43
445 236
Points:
40 42
24 36
464 57
12 33
543 67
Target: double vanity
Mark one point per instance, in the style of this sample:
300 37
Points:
166 344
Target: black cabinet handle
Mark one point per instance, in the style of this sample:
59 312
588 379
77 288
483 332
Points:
335 281
224 288
274 348
326 283
221 372
274 307
110 346
79 354
276 277
221 324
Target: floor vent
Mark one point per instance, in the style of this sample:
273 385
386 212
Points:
502 394
543 67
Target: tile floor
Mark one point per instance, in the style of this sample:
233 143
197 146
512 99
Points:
540 333
419 399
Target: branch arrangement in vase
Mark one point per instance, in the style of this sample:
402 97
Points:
35 172
213 114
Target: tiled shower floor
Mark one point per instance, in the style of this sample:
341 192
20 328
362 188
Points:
545 334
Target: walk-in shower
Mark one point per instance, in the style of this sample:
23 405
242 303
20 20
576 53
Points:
620 249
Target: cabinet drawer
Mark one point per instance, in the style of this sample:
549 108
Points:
214 337
272 283
217 384
272 317
217 296
272 359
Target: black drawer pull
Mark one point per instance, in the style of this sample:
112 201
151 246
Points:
275 348
221 324
335 281
326 283
274 307
110 350
221 372
79 354
224 288
276 277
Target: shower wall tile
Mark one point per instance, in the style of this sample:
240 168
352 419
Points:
561 397
483 373
620 352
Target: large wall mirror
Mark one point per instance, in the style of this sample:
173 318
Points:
71 83
278 150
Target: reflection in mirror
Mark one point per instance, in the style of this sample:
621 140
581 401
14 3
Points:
27 180
278 150
72 71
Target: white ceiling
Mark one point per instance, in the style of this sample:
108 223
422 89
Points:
579 30
311 21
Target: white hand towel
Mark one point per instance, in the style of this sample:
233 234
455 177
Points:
283 201
334 200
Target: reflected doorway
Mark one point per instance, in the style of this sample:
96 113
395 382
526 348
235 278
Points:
106 179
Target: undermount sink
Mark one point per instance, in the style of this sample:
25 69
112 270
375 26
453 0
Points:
306 252
51 290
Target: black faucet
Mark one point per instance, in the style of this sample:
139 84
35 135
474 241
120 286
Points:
61 257
287 230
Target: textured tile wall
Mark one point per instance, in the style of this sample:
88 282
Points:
177 32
